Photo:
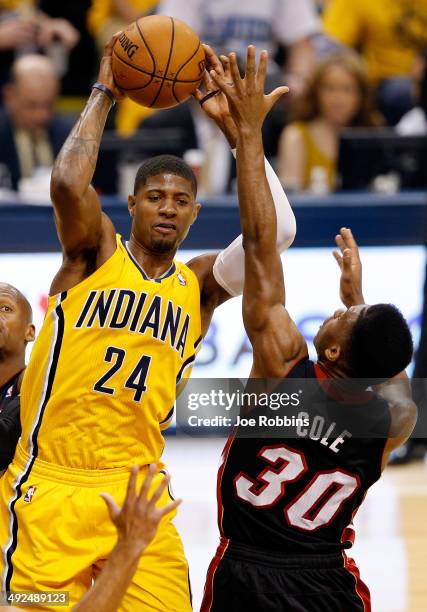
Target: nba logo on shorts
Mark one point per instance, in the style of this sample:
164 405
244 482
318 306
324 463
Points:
30 494
182 280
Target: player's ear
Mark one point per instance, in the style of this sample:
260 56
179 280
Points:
197 207
30 333
333 353
131 204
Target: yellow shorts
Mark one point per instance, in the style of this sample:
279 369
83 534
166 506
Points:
55 534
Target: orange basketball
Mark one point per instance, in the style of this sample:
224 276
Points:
158 61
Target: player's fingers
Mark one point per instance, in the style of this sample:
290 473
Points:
338 258
212 59
250 71
108 49
147 482
234 71
112 506
131 488
348 237
221 82
226 66
276 94
169 508
159 491
346 259
262 69
198 95
340 242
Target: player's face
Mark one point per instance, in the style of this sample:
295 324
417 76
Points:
15 328
335 330
163 211
339 96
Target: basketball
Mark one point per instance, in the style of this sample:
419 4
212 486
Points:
158 61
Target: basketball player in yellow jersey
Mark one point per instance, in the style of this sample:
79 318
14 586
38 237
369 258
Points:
123 326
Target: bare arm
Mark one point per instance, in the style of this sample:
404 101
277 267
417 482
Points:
77 208
276 341
397 392
221 275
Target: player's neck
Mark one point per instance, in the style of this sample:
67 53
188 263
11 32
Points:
153 263
10 366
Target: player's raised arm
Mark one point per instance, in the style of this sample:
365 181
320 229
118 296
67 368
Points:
221 275
77 208
264 290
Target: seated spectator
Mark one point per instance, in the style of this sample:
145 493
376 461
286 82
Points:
31 135
414 123
338 96
389 36
26 29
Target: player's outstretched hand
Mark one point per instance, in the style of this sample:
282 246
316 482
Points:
348 259
249 105
212 100
137 521
105 75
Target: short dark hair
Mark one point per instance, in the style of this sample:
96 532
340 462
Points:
164 164
380 344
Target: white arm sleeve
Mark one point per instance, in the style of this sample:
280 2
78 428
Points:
229 266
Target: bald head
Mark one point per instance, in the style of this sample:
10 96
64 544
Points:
20 300
31 92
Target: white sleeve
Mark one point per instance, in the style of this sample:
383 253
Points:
189 11
296 20
229 266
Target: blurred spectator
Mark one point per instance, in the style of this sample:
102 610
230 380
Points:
414 123
26 29
106 17
82 60
232 26
337 96
389 36
30 133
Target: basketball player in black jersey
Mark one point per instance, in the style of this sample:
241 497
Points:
285 504
16 330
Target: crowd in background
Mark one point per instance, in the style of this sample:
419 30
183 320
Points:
348 64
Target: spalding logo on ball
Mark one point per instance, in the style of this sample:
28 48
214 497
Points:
158 61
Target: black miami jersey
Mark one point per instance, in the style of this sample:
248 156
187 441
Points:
299 495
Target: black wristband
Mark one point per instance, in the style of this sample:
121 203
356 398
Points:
105 90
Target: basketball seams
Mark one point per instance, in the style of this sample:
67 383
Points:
147 47
150 74
168 62
169 84
176 80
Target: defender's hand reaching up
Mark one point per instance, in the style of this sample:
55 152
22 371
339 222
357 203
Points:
212 101
348 259
248 103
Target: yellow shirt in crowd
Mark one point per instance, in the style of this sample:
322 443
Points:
389 33
104 9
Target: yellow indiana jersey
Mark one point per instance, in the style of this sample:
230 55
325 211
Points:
101 382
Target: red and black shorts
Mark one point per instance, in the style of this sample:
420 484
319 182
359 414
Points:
243 579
